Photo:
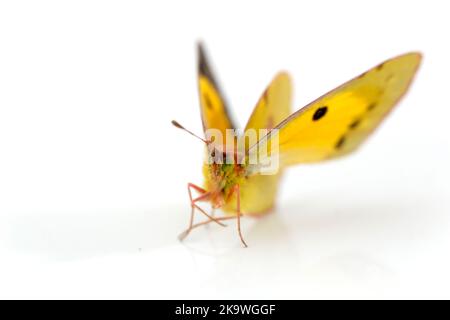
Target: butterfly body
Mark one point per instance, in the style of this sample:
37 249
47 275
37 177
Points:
332 126
221 179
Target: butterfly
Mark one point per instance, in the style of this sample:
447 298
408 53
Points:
332 126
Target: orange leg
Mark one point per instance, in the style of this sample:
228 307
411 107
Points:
203 223
238 213
212 214
203 197
238 217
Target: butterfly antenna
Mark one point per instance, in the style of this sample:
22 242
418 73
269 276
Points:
179 126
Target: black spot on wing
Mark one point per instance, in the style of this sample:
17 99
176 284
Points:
380 67
320 113
208 102
354 124
340 142
371 106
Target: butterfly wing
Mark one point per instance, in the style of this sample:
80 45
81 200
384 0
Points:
214 109
274 105
258 192
341 120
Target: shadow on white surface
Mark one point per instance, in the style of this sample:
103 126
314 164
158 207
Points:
311 235
317 242
304 247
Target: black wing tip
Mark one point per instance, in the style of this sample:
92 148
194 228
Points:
203 66
200 48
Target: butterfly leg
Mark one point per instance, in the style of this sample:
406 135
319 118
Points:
238 213
204 223
204 196
212 214
238 217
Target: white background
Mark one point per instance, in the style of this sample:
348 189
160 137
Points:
93 176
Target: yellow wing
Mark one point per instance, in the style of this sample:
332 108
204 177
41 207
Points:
341 120
274 105
258 192
212 104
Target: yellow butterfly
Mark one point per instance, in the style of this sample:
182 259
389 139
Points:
332 126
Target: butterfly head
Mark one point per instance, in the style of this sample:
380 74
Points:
224 167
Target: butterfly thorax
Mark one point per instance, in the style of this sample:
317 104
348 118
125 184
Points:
221 179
